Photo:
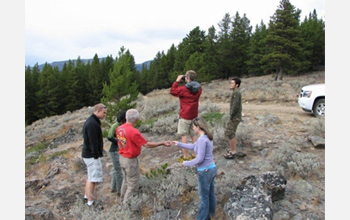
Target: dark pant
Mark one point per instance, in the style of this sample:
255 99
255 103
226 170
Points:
117 176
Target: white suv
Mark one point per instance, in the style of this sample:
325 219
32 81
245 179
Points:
312 99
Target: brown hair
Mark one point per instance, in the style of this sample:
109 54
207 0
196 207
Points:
191 74
199 121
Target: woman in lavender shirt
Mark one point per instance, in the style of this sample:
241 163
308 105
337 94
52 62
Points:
206 167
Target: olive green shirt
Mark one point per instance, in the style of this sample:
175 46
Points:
111 137
236 105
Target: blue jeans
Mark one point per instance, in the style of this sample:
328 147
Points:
117 176
207 198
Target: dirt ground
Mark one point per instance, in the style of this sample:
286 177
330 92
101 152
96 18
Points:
294 123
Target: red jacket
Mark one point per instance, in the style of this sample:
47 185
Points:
130 140
189 98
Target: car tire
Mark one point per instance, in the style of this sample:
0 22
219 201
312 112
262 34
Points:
319 108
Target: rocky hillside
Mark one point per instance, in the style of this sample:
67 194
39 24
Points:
282 175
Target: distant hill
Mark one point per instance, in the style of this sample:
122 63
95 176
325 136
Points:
60 64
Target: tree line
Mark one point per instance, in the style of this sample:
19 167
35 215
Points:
284 46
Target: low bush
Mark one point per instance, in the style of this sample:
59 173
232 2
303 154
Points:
291 163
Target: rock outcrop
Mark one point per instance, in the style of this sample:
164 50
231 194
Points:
253 198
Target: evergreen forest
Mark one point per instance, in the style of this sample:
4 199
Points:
284 46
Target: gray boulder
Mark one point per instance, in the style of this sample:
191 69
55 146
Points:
253 198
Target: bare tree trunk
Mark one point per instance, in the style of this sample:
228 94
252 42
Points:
276 75
281 73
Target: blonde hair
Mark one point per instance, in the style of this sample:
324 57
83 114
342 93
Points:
99 107
199 121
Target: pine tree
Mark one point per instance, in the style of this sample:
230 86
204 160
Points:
196 62
256 50
211 59
313 34
95 81
65 85
284 41
74 99
48 93
193 42
106 66
241 34
31 89
159 76
82 72
121 92
225 46
170 62
29 96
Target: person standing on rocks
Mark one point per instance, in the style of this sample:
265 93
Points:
117 176
235 117
189 95
206 168
93 150
130 141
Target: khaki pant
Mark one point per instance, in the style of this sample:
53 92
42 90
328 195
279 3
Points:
184 127
231 128
131 173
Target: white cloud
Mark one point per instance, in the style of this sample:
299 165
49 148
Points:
58 30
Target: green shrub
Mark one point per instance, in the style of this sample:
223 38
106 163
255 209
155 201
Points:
213 117
105 133
37 148
34 154
56 154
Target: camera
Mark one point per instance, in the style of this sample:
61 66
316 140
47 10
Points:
183 78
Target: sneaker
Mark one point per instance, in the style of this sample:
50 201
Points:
113 190
90 205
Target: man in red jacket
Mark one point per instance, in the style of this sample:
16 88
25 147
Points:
189 98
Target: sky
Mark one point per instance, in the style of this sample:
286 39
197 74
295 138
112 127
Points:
58 30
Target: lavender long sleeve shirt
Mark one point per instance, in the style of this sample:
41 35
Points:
203 148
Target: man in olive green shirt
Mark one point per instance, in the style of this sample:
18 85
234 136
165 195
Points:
235 117
117 176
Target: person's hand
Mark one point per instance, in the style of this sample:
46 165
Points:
179 78
167 143
183 163
174 143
